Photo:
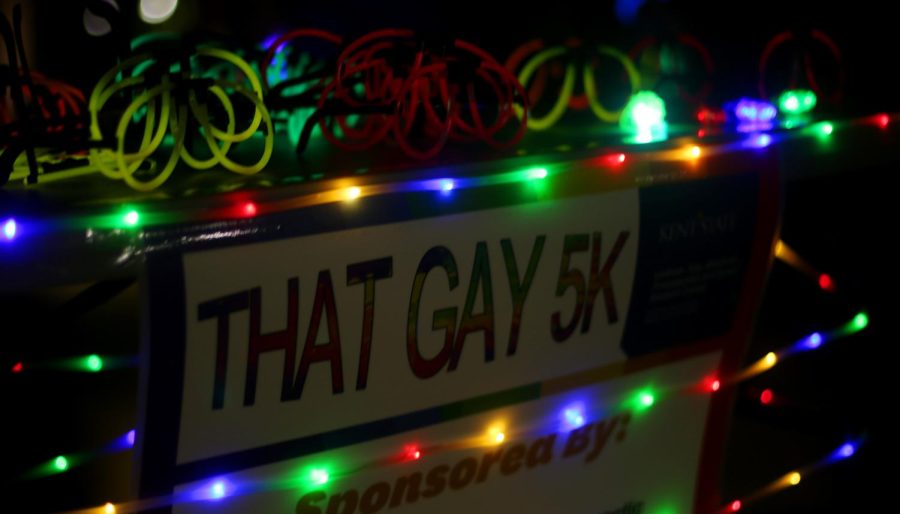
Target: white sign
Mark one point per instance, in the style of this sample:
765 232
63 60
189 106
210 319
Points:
546 356
332 382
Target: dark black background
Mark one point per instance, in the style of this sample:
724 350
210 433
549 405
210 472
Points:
735 32
843 223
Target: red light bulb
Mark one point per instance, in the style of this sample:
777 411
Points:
249 209
826 283
735 506
17 368
715 385
883 120
615 159
612 160
411 452
766 397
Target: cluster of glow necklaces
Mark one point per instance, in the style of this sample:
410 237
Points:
14 229
405 81
571 416
536 64
163 101
163 112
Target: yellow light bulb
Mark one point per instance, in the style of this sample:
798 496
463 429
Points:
109 508
496 434
794 478
352 193
770 359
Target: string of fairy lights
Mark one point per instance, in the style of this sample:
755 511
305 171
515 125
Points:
92 363
812 341
13 229
571 416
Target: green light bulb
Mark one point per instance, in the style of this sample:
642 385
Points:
131 218
643 399
61 463
319 476
791 104
93 363
797 101
644 117
537 173
826 128
860 321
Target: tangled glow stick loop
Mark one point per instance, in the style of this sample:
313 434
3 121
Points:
129 163
364 61
200 112
509 94
177 88
219 153
417 94
535 67
634 79
559 108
